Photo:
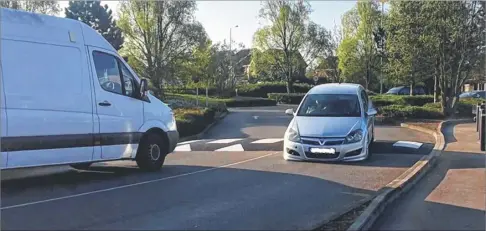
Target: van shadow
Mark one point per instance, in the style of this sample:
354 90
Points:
250 199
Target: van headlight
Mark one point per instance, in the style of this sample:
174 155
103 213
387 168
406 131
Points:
293 133
173 124
354 136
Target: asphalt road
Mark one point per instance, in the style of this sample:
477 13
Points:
205 190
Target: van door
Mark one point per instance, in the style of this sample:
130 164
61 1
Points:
48 102
3 122
118 104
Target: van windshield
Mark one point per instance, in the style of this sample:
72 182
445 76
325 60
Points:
330 105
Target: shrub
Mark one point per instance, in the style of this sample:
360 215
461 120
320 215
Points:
385 100
250 102
262 89
293 98
191 121
415 112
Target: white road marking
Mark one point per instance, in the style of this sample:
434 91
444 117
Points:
232 148
407 144
188 142
255 117
183 148
223 141
135 184
267 141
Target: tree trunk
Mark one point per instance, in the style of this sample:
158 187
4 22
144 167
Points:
435 88
411 88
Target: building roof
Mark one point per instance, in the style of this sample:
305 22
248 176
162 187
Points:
335 88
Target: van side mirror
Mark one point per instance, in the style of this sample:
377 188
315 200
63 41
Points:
289 111
143 87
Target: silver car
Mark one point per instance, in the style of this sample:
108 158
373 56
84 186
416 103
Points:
333 122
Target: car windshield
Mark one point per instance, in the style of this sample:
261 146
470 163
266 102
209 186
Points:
330 105
394 90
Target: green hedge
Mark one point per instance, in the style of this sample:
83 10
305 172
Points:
262 89
191 121
385 100
228 102
464 107
293 98
407 112
250 102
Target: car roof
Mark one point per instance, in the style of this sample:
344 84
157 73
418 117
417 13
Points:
335 88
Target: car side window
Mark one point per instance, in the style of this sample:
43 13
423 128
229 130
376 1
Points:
129 82
108 72
405 91
364 97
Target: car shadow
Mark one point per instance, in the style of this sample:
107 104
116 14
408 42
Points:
242 197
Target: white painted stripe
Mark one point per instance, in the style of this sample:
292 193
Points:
135 184
183 148
232 148
407 144
188 142
267 141
255 117
223 141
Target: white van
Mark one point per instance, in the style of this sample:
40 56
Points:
67 97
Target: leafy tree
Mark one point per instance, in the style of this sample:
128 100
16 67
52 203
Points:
455 34
357 52
98 17
43 7
291 32
411 62
160 35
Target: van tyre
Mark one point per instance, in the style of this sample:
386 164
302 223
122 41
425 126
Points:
151 153
82 166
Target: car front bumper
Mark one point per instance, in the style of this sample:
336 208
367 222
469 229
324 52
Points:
344 152
173 138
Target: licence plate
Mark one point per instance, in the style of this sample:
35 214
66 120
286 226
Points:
328 151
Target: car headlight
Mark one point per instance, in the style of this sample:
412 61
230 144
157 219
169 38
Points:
173 124
293 133
354 136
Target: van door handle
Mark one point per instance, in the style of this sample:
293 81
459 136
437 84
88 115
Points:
105 103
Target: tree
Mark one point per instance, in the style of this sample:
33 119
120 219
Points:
42 7
291 32
160 35
98 17
455 34
357 53
411 62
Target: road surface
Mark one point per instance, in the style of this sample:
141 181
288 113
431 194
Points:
205 187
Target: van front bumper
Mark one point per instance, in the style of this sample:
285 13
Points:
344 152
173 137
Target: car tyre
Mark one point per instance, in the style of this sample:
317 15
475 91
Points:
151 152
368 149
82 166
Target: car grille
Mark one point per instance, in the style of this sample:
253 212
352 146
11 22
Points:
321 156
328 141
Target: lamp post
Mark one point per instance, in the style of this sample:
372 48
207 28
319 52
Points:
231 54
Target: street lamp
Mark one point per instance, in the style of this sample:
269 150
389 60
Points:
231 54
382 45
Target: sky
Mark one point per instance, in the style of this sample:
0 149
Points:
218 17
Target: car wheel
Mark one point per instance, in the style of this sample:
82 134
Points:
368 149
82 166
151 152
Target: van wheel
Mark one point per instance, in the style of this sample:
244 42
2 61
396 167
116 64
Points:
83 166
151 153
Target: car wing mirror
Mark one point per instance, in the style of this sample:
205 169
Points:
289 111
143 87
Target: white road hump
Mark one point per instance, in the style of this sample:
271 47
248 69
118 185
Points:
223 141
267 141
183 148
407 144
232 148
